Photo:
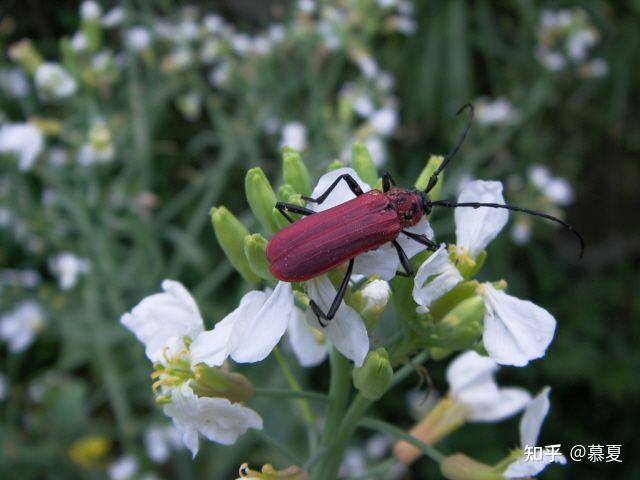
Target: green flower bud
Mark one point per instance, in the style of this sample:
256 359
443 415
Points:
286 191
92 31
255 249
230 234
461 327
335 165
215 382
25 53
460 467
374 376
295 172
423 179
363 164
261 198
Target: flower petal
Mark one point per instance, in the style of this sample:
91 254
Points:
533 417
217 419
467 368
476 228
250 332
340 194
515 331
164 319
526 468
346 331
435 277
510 401
307 348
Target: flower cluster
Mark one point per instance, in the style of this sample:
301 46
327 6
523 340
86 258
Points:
565 38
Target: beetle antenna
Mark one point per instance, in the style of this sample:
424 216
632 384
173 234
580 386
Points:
434 177
446 203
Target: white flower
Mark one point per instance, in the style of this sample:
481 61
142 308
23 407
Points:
124 468
346 331
539 176
294 135
163 321
113 17
596 68
308 343
19 326
556 189
384 121
579 43
366 63
138 38
24 140
530 425
68 267
159 441
307 6
14 82
250 332
476 228
435 277
54 82
472 383
376 294
495 112
217 419
378 151
521 232
90 10
515 331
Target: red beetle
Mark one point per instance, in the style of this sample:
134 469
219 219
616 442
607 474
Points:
323 240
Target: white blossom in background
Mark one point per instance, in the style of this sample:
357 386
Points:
24 140
14 82
20 278
556 189
498 111
164 320
137 38
124 468
521 232
54 82
530 425
90 11
113 17
294 135
472 383
19 327
160 441
68 267
384 121
366 63
99 148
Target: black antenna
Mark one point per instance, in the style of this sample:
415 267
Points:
434 178
446 203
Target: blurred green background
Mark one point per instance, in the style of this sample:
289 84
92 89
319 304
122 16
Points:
143 215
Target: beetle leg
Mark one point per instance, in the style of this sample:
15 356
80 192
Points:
404 261
423 239
283 208
351 183
387 182
336 301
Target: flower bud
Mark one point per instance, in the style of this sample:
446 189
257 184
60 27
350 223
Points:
445 417
261 198
374 377
90 13
460 467
371 301
363 164
267 472
255 249
230 234
295 172
26 54
216 382
423 179
90 451
462 326
335 165
288 195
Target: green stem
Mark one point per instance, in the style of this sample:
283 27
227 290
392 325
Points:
295 386
376 471
284 393
400 434
279 447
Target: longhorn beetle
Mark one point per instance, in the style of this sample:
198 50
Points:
323 240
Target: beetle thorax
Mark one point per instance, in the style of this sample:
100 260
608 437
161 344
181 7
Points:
407 204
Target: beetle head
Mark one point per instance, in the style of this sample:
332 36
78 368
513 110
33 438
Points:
408 204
